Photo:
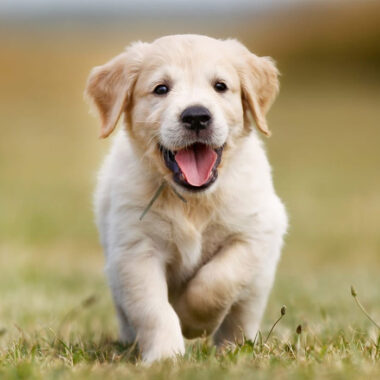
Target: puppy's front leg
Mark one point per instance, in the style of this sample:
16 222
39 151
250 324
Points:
137 278
215 287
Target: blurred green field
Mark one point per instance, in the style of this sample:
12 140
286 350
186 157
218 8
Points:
56 315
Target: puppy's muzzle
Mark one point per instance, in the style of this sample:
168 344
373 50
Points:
196 118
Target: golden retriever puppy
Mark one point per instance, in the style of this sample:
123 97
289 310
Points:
202 260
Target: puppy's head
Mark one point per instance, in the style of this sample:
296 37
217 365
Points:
185 99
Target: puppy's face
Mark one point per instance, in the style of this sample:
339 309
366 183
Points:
186 100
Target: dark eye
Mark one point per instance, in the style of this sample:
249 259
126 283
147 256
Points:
220 87
161 89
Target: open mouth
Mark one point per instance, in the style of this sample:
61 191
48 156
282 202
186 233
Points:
194 167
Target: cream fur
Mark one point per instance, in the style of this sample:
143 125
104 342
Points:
206 266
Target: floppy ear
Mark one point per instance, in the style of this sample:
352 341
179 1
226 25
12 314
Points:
260 86
109 87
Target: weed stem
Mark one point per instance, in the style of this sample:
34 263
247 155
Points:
361 307
283 311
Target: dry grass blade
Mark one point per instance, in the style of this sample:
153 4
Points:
155 196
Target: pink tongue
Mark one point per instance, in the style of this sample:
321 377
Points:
196 163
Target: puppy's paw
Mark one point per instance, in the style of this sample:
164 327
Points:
166 347
199 310
164 341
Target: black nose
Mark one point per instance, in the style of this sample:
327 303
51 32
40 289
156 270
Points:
196 118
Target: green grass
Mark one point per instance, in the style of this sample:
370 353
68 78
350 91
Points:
57 321
56 316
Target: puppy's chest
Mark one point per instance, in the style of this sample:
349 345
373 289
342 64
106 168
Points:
193 247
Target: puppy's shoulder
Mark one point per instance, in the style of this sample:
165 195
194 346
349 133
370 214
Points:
116 174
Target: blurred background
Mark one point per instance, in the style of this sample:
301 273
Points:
325 151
